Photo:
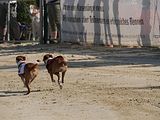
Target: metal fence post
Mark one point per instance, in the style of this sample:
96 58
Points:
44 22
41 21
8 22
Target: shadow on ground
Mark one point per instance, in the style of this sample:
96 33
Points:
103 56
15 93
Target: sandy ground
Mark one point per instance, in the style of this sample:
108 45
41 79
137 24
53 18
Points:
101 84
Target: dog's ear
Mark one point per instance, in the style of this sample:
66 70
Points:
45 57
50 55
20 58
24 58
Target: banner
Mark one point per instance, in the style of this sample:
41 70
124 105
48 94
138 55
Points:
118 22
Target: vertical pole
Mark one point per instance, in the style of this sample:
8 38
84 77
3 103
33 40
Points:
45 23
41 21
8 22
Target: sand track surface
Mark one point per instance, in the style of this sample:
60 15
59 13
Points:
100 84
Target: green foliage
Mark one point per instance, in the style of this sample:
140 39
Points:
23 15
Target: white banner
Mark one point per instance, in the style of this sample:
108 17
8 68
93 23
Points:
118 22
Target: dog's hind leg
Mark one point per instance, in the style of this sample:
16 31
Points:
32 79
58 75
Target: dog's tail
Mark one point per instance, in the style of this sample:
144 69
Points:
38 61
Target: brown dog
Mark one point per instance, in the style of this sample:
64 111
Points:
55 66
27 71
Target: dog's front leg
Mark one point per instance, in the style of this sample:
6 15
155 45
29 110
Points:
52 77
23 80
63 74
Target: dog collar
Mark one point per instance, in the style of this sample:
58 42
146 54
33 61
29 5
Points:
46 61
20 63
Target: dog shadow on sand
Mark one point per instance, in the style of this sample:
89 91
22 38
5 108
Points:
14 93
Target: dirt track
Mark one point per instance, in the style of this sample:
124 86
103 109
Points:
101 84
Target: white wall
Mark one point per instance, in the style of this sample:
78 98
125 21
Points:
125 22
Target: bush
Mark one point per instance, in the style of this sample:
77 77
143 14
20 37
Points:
23 14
